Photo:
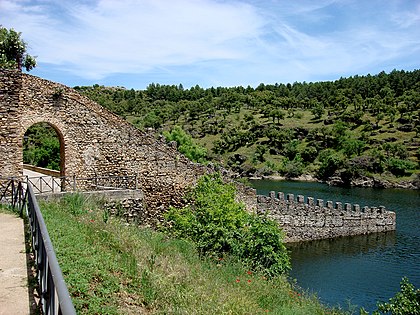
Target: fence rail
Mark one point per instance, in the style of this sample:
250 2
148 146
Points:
50 184
54 296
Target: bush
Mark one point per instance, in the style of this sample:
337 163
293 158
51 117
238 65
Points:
219 226
291 149
294 168
353 147
186 145
330 162
400 167
405 302
309 154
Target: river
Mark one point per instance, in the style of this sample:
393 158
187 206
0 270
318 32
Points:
355 272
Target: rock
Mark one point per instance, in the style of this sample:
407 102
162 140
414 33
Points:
335 181
362 181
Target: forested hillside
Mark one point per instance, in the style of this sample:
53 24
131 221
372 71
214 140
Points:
350 131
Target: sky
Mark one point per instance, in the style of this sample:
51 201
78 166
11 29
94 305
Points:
133 43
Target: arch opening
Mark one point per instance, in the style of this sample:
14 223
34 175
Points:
43 147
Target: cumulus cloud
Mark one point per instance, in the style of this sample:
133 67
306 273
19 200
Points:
230 42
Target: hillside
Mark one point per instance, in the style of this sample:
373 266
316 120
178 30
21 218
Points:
361 130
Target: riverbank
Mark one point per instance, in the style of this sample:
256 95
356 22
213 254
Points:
338 181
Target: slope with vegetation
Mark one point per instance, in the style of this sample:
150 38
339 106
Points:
113 268
361 130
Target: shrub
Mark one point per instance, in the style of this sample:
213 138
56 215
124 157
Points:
219 226
396 150
407 301
186 145
330 162
309 154
259 153
294 168
400 167
291 149
353 147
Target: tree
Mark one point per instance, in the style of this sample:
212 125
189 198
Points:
317 110
13 51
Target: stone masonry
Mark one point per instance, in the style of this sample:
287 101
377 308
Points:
310 220
94 141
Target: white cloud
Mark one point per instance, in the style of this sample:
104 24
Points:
213 41
130 36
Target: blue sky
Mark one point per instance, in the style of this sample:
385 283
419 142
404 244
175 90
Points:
133 43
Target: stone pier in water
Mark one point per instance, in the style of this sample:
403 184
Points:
310 219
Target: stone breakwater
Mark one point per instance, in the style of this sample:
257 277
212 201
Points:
310 219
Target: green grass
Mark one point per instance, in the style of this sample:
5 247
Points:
112 268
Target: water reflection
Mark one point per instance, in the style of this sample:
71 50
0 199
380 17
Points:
342 246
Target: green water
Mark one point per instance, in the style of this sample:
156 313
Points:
361 270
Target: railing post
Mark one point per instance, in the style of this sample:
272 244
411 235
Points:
13 192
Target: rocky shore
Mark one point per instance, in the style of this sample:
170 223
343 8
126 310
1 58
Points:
362 181
365 181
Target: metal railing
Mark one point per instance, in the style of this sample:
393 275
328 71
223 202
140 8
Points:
50 184
13 194
54 296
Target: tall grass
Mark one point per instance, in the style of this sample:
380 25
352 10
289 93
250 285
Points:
112 268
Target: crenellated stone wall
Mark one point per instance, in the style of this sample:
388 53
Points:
304 220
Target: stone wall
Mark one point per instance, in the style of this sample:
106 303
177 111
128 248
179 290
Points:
309 220
94 141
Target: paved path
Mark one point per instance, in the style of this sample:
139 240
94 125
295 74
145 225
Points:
14 297
43 185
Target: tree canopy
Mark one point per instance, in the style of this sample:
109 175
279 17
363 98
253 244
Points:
356 127
13 51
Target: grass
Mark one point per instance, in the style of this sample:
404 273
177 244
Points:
112 268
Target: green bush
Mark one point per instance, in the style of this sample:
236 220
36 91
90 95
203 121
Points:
294 168
353 147
186 145
309 154
400 167
219 226
407 301
330 162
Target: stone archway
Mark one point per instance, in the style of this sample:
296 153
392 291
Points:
94 142
33 139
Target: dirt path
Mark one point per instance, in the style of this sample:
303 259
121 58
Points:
14 298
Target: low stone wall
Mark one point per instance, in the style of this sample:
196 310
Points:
127 204
42 170
309 220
